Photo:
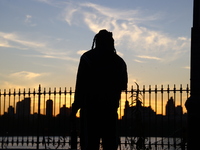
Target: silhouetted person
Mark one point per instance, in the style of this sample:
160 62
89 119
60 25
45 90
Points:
101 77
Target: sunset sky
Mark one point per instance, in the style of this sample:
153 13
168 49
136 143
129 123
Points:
41 41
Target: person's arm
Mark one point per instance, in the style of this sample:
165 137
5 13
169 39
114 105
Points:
80 87
124 78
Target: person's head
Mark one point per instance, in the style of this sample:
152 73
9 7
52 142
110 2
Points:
104 41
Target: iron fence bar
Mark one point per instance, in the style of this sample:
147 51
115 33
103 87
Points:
149 120
174 114
54 99
65 93
155 115
38 130
132 121
168 140
162 112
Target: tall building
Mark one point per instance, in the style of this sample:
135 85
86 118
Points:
49 108
170 107
11 110
23 107
172 110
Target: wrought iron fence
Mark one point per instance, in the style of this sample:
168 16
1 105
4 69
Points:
149 118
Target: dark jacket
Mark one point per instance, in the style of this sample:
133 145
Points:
100 79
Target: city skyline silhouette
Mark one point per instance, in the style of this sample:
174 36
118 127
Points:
59 123
23 108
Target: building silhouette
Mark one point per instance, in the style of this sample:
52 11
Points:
11 111
170 107
64 111
179 110
131 112
23 108
172 110
137 120
49 108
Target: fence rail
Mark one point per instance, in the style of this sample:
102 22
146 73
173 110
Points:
149 118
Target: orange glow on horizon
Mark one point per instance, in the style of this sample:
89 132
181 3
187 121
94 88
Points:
156 101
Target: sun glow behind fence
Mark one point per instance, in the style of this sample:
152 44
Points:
153 96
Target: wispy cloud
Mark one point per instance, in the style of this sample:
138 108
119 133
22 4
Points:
148 57
4 43
23 79
139 61
132 28
129 30
25 75
28 20
111 12
56 56
43 47
16 41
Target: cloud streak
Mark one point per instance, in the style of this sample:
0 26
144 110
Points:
15 41
44 47
25 75
28 21
130 28
23 79
148 57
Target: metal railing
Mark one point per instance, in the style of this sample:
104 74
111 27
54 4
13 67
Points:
149 118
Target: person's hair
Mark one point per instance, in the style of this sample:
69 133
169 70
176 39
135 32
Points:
104 40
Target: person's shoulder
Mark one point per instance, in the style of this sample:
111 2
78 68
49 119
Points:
87 56
120 59
88 53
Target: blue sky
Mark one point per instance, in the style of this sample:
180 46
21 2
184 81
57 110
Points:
41 41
